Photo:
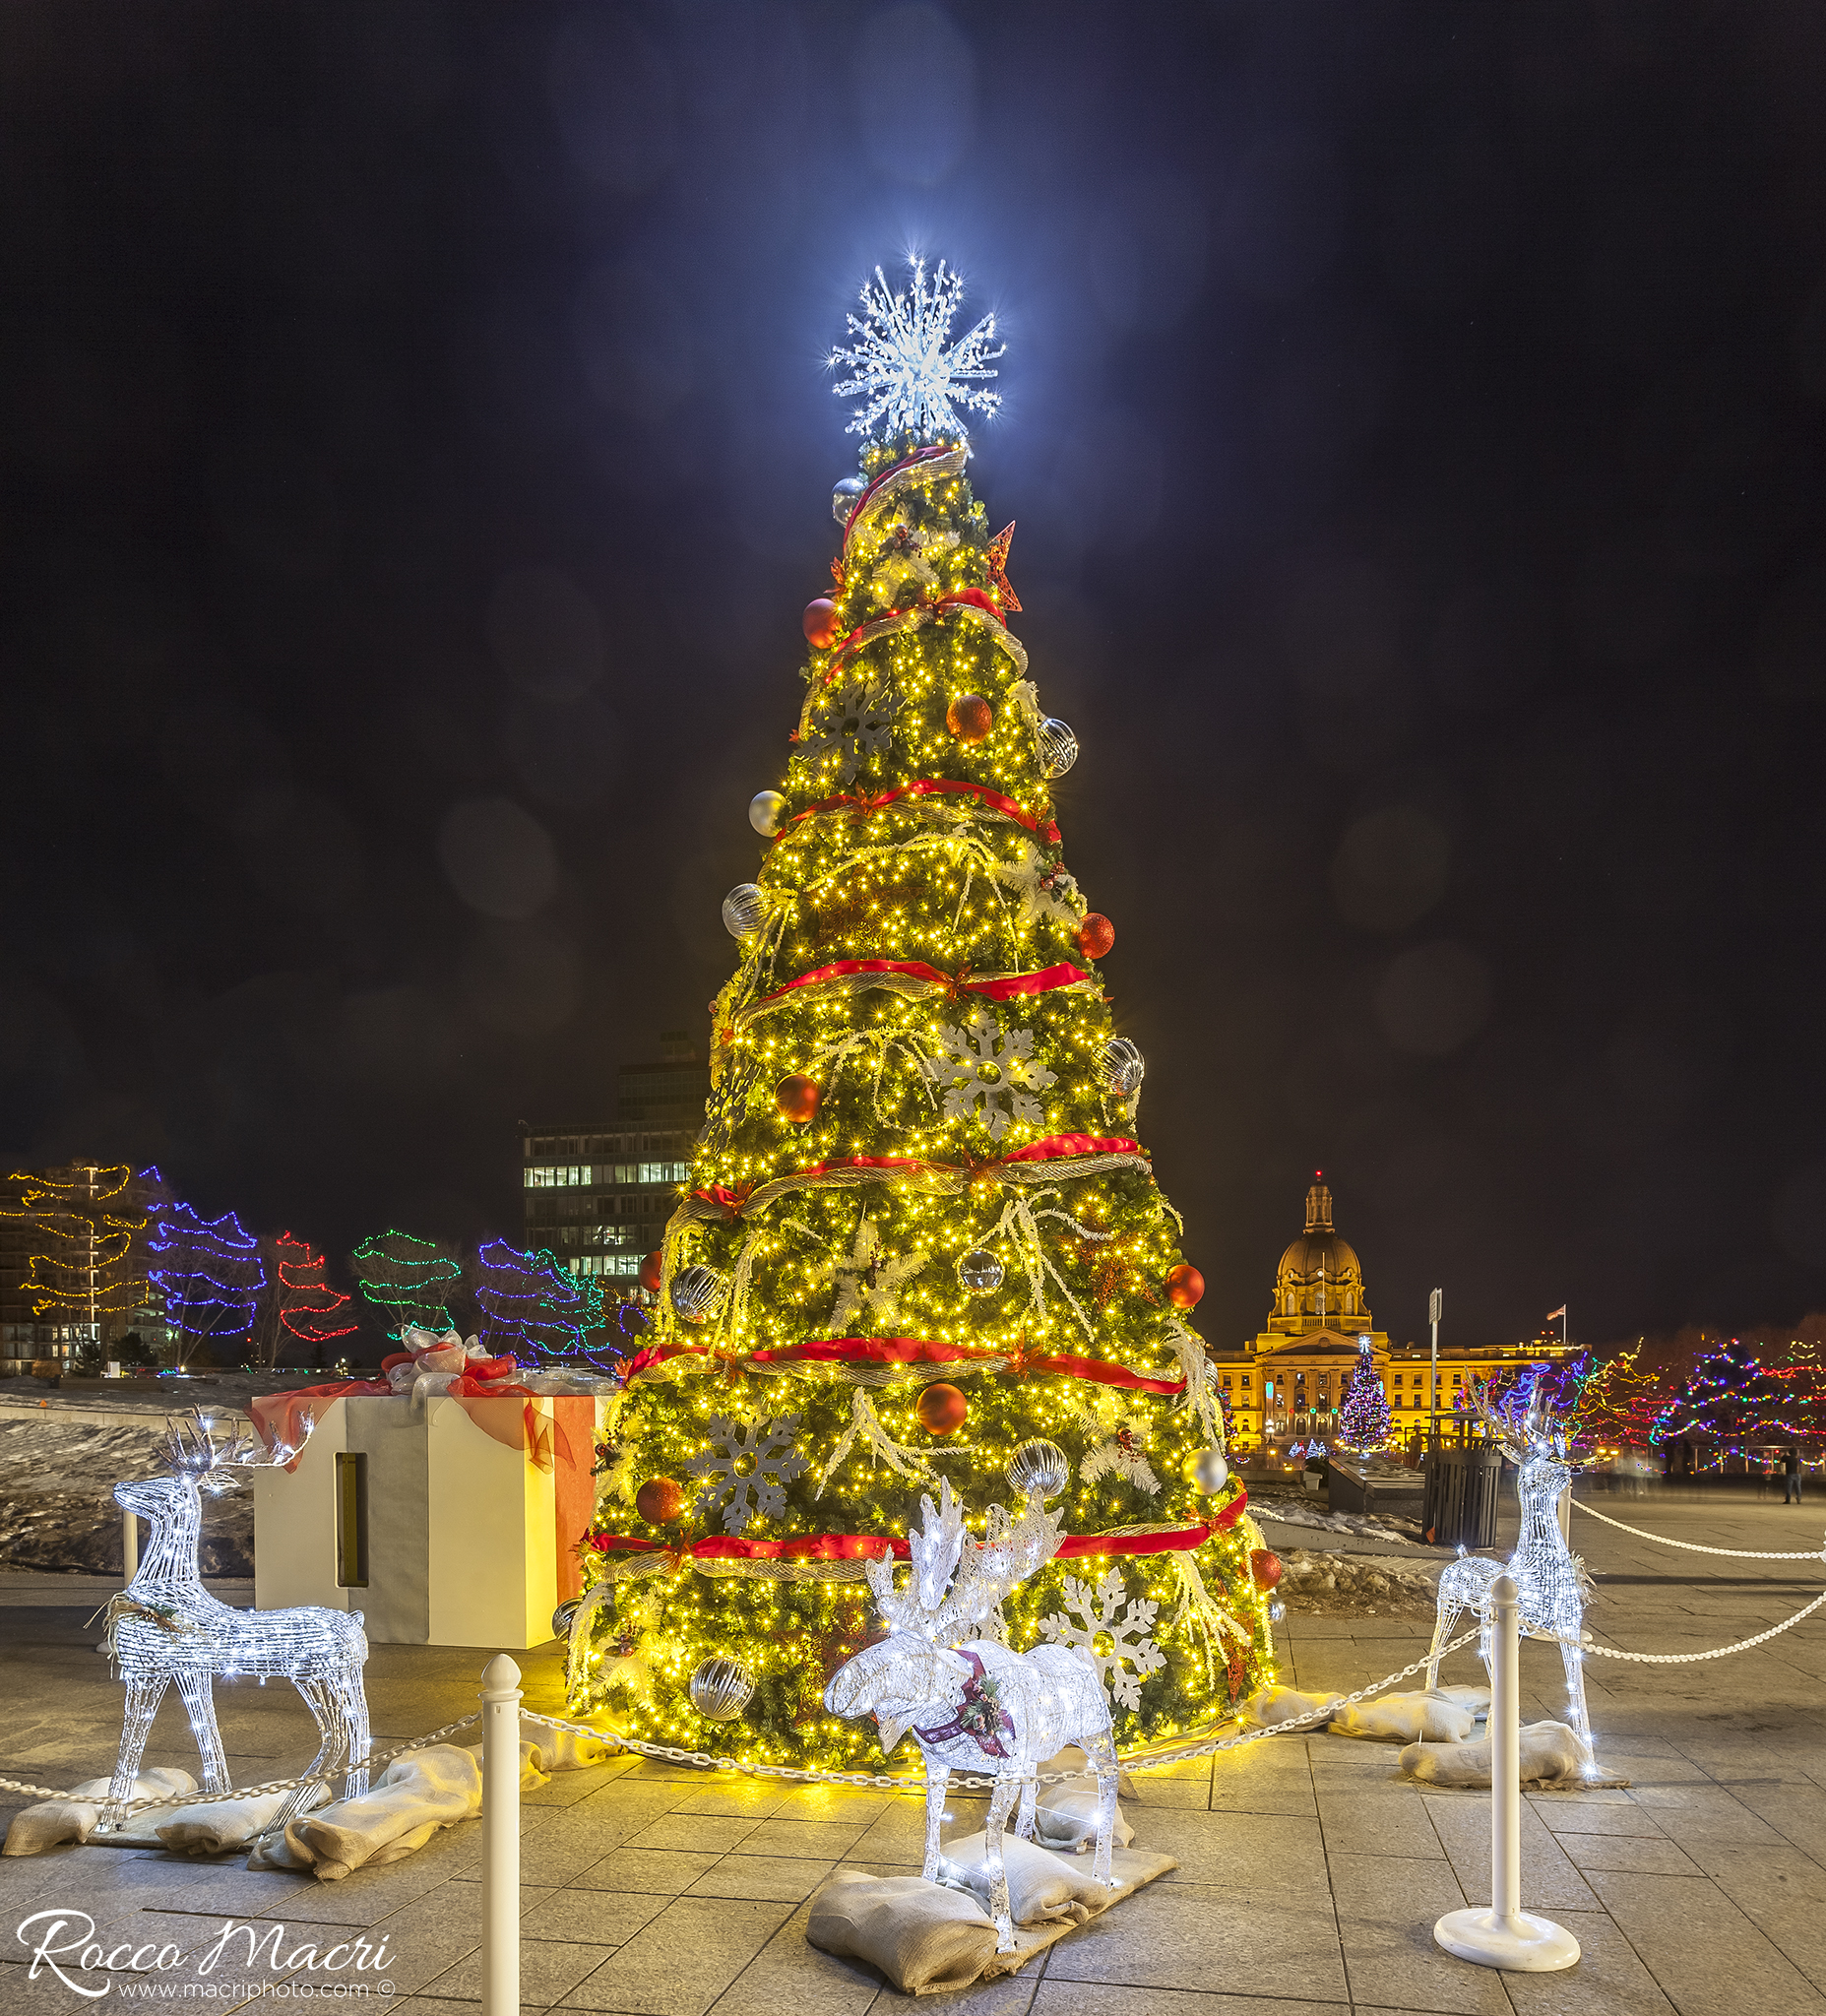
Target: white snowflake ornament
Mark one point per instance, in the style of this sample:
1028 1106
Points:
982 1063
1116 1640
868 1286
746 1464
858 726
903 374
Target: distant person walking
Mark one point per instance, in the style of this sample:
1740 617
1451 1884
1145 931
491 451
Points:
1790 1470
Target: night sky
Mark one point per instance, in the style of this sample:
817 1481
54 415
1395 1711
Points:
417 453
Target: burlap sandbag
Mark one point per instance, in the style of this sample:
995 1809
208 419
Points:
1551 1757
923 1937
927 1939
1271 1707
417 1794
54 1822
1404 1719
220 1825
1066 1818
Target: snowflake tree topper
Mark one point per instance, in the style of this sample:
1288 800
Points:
902 371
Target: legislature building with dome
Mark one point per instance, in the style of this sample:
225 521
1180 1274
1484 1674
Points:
1286 1383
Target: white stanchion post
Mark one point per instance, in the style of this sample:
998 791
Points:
130 1543
1506 1935
500 1696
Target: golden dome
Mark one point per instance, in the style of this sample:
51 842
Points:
1319 1283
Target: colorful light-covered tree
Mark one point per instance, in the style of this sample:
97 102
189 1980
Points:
407 1278
533 1305
212 1276
918 1237
1364 1419
1732 1402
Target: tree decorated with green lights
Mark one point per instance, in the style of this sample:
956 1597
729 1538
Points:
920 1237
408 1279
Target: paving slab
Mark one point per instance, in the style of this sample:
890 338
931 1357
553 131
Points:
1310 1871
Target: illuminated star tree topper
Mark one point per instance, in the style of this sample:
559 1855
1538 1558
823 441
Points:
902 371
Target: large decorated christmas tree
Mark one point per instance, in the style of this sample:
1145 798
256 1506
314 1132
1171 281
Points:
920 1236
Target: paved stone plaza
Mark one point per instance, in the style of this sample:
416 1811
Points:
1309 1873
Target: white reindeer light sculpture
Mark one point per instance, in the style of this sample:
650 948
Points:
1552 1584
166 1627
979 1706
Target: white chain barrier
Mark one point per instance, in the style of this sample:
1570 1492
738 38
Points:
245 1792
1588 1645
1693 1546
670 1753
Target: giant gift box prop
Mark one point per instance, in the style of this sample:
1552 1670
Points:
474 1505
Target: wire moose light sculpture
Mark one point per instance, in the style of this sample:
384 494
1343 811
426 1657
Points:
979 1705
166 1627
1552 1587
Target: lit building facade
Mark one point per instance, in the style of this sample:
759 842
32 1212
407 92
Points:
598 1195
1287 1384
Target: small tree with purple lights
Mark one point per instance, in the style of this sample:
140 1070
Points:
1363 1420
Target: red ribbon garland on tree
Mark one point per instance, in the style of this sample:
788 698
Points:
914 1350
1003 987
866 802
871 1547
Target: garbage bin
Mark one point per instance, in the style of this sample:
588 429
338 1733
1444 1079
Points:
1460 1508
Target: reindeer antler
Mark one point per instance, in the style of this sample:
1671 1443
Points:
192 1449
955 1582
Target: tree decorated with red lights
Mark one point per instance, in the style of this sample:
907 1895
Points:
920 1237
306 1309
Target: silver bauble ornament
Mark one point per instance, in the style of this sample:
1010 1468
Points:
980 1272
1059 747
721 1688
1276 1611
1212 1469
843 495
744 910
696 1292
1124 1067
564 1616
1038 1469
766 809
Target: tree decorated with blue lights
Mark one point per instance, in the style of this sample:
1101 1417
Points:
213 1277
918 1238
532 1305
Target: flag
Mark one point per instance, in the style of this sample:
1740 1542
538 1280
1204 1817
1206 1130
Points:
1560 1311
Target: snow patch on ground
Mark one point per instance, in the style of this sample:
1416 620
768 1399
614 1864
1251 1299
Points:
57 1510
1387 1526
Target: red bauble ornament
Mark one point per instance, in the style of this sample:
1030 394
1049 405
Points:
822 625
653 1272
1185 1287
941 1409
658 1500
969 717
1096 935
1265 1568
797 1099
